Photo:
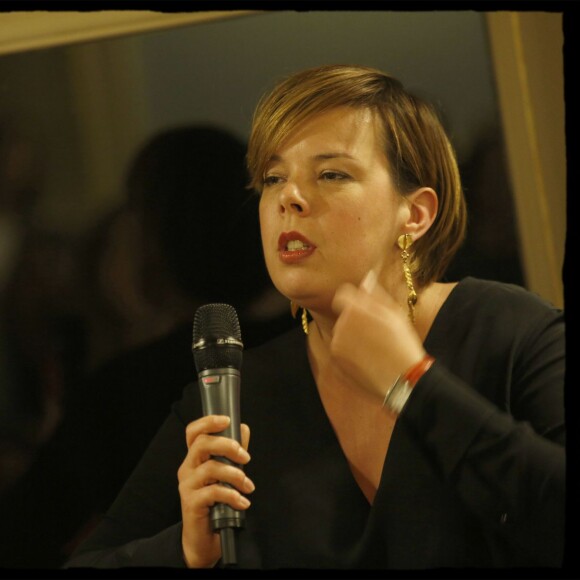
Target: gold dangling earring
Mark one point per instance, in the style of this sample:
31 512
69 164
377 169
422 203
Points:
294 310
404 242
305 320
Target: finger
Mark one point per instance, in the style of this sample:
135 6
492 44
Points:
245 429
343 297
214 471
370 285
370 281
204 498
207 445
207 424
348 293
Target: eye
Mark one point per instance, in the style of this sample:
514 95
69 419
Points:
271 180
333 176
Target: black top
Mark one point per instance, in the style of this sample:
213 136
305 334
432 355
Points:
474 475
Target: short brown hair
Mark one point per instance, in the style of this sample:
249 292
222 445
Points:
417 147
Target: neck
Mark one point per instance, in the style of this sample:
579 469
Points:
320 333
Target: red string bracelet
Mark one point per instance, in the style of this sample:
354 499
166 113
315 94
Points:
398 394
418 370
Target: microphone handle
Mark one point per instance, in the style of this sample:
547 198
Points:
220 395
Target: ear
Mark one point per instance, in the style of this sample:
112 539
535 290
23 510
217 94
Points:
422 205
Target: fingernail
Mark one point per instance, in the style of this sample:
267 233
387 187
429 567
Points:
369 281
249 485
244 501
243 454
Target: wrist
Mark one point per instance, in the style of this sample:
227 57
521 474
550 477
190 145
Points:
397 395
191 561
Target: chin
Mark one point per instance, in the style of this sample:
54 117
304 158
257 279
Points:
293 285
305 288
311 300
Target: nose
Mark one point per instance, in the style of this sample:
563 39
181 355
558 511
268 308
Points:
293 200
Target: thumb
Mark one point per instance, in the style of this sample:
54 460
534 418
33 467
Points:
245 432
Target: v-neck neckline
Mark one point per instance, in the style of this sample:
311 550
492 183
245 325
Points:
330 433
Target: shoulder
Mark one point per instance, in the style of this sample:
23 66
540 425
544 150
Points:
490 295
498 313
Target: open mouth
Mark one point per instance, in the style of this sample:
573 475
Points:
293 246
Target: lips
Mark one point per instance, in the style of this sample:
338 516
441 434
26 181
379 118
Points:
294 247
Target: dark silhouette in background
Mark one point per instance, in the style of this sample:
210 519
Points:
187 235
35 268
491 249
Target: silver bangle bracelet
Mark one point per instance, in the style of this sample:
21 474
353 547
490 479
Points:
397 395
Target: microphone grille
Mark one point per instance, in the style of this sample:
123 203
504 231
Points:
217 339
215 321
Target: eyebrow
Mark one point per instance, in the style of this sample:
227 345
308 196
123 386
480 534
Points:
334 155
320 156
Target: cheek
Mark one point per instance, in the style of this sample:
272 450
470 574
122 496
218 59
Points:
366 232
356 224
269 237
263 216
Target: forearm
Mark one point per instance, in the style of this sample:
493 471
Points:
143 525
162 550
512 478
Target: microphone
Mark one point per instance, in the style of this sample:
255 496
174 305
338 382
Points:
217 351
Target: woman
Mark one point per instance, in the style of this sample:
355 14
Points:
406 422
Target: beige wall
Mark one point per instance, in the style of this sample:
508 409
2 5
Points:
527 52
37 29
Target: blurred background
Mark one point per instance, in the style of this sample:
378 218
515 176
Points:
86 296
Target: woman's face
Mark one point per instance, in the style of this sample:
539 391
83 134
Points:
329 210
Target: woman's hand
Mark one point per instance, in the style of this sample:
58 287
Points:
199 488
373 341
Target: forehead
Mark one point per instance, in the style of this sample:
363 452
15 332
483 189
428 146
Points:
350 129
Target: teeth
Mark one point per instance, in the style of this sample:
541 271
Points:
296 245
